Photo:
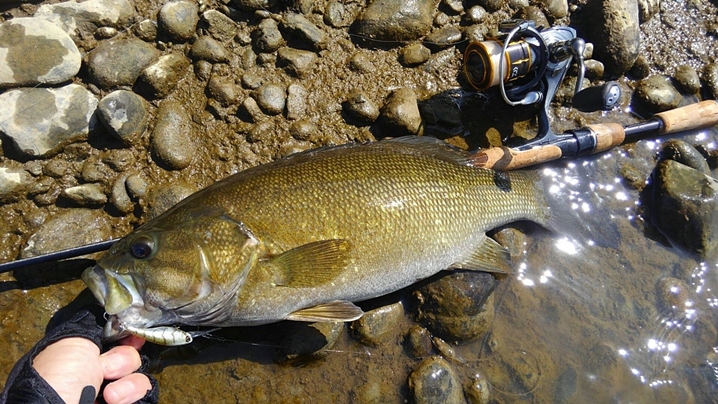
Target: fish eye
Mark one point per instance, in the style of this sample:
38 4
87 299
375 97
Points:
142 247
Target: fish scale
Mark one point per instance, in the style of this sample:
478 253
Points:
390 213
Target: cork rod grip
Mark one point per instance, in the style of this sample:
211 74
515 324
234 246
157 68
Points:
694 116
608 135
505 159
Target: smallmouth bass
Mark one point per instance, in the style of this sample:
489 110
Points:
303 237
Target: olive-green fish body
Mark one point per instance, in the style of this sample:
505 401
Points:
302 237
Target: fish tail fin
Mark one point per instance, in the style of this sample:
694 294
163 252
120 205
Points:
565 215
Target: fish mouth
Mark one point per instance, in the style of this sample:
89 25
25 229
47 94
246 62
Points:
122 300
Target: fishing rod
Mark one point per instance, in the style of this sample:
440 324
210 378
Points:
58 255
528 64
596 138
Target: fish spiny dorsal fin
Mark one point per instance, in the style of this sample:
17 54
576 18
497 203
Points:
312 264
490 256
338 310
431 146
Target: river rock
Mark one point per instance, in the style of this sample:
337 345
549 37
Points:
146 30
166 196
94 170
297 62
682 152
296 102
271 98
85 195
710 75
685 207
457 307
255 4
377 324
209 49
178 19
594 69
119 62
338 15
555 8
171 138
124 114
434 381
35 51
68 229
476 15
83 18
687 79
614 31
119 196
219 26
136 186
360 106
401 113
657 94
418 341
414 54
14 183
304 341
492 5
163 75
443 37
223 89
396 20
301 29
266 37
40 121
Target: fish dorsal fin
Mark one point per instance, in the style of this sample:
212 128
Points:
312 264
490 256
338 310
431 146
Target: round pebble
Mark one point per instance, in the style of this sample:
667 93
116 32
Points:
267 37
337 15
296 101
178 19
85 195
414 54
435 381
14 183
658 94
209 49
219 26
119 197
171 138
376 325
710 75
124 114
119 62
146 30
682 152
304 31
136 186
401 113
418 341
476 15
297 62
271 98
303 129
163 75
687 79
360 106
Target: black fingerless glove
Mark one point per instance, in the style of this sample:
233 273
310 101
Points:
25 386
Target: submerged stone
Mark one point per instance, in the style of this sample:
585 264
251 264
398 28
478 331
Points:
375 324
35 51
435 381
40 121
685 207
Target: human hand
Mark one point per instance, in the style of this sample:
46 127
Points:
70 364
66 365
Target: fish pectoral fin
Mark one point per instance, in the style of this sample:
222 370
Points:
489 257
312 264
338 310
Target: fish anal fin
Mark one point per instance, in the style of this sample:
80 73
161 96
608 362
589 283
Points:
312 264
490 256
338 310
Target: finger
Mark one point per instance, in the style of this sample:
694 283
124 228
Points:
133 341
119 361
127 390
